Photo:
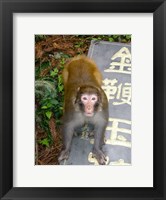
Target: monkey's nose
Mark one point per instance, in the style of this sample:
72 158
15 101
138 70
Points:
89 107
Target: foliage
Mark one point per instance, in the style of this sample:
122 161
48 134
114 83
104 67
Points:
44 142
110 38
49 92
39 37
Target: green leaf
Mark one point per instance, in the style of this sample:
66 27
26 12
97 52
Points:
60 79
60 88
44 107
124 40
111 39
44 142
66 56
115 36
49 105
61 108
45 65
128 37
48 114
54 102
54 72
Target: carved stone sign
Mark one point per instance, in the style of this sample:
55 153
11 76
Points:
114 62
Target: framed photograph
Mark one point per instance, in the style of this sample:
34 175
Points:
125 41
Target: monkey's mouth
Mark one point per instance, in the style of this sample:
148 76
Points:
89 114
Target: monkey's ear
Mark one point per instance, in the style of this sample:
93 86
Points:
76 105
75 98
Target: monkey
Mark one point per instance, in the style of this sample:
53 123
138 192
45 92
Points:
85 102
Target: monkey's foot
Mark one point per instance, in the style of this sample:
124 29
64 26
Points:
101 158
63 156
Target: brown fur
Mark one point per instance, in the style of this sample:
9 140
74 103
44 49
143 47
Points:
85 69
80 71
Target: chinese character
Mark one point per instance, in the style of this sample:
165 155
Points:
116 139
121 92
122 66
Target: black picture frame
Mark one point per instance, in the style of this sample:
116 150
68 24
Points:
7 8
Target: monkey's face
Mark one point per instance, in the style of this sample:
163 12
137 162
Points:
89 101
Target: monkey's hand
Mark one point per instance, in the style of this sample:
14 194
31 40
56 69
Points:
63 156
99 155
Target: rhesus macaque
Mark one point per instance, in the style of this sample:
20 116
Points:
84 103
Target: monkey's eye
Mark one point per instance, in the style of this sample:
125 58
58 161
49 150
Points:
84 98
94 98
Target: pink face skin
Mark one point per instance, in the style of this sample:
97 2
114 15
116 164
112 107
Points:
89 101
